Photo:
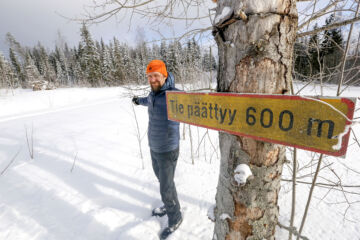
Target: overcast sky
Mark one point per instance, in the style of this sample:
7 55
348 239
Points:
30 21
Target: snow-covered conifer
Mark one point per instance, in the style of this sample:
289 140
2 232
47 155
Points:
90 57
7 76
16 66
31 71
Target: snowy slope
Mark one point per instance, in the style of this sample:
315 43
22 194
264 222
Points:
86 179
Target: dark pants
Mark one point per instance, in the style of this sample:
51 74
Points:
164 165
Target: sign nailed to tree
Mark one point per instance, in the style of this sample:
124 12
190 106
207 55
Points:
318 124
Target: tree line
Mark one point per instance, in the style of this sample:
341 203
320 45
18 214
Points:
94 63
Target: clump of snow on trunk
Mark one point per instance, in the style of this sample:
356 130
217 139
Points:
225 216
242 172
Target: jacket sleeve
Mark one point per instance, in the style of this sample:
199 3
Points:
144 101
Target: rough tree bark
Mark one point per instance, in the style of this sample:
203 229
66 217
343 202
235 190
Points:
255 42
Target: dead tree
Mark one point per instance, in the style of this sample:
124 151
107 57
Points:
255 42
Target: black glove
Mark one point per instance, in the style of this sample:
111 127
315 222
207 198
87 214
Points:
135 100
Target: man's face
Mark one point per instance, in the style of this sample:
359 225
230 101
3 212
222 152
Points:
156 81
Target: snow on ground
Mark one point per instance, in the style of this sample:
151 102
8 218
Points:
333 214
86 179
107 195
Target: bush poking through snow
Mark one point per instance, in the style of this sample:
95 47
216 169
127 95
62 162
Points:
41 85
242 172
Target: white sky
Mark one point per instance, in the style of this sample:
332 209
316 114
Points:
30 21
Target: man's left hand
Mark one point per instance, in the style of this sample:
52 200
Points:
135 100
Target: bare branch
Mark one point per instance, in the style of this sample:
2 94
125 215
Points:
332 26
310 195
191 145
324 184
292 230
345 54
318 14
293 200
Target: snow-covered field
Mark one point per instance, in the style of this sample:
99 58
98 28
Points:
86 180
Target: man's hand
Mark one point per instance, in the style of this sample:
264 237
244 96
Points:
135 100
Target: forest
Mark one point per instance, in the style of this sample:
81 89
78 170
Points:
94 63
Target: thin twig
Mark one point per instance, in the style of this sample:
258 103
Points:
310 195
345 54
72 168
355 138
197 150
318 14
191 145
12 160
293 200
138 136
328 27
323 184
292 230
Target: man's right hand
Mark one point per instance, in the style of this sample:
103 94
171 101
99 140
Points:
135 100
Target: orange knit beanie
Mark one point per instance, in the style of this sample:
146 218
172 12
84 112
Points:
157 66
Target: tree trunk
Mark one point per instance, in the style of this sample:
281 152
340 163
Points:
255 42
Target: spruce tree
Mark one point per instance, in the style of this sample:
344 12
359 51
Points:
31 72
16 47
315 54
171 59
90 58
195 54
208 61
163 51
47 71
7 76
331 47
118 72
16 67
105 63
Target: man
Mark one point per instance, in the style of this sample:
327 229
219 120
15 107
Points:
163 136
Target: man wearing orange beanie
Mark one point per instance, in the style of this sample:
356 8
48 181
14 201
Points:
163 136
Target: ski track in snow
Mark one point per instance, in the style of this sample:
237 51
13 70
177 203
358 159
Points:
108 195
